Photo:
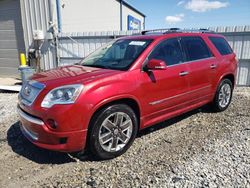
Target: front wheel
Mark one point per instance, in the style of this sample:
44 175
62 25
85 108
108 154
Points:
223 95
112 131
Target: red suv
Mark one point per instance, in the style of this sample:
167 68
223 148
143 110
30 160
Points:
100 104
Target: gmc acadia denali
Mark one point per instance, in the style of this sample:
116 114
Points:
134 82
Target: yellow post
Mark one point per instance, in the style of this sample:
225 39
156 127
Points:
23 60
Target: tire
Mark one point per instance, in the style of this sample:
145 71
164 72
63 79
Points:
112 131
223 96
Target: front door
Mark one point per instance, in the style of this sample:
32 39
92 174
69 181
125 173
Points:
165 91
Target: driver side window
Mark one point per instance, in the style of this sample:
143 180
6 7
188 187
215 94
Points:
168 51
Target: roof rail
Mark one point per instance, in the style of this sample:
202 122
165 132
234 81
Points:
161 31
176 30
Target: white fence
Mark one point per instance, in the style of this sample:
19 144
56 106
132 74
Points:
74 46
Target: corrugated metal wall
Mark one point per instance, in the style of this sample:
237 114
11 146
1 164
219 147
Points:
75 46
239 39
39 15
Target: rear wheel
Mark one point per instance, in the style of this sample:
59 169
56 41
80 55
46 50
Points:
112 131
223 95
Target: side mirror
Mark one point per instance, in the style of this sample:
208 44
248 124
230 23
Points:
156 64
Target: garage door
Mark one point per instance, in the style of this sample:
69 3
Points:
11 37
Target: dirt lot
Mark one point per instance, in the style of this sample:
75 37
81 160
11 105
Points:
198 149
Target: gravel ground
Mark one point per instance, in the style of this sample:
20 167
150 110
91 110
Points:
198 149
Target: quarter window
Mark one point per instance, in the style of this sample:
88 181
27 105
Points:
221 45
195 48
168 51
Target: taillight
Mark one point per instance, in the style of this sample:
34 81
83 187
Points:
236 58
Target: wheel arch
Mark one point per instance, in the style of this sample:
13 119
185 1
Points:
229 76
130 101
133 103
217 107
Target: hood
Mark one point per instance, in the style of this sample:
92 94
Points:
72 75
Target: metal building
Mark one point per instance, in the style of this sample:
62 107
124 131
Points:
11 37
96 15
18 22
21 21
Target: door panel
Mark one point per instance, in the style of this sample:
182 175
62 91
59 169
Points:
201 77
164 91
201 64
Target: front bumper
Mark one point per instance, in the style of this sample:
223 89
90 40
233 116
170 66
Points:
38 132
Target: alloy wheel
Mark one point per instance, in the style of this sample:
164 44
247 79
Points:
224 95
115 132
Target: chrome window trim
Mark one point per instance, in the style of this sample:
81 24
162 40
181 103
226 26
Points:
188 62
29 118
194 61
183 51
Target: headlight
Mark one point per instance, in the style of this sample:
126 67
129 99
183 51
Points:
62 95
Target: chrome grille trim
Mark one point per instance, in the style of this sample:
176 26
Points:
32 135
36 84
34 88
29 118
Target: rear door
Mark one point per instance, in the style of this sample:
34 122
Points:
202 66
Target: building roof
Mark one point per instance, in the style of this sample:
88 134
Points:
131 7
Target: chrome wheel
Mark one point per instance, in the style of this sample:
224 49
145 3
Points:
224 95
115 132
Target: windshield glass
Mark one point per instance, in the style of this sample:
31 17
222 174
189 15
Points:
118 54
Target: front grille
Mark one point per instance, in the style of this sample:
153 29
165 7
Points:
30 90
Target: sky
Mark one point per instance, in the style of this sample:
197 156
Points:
193 13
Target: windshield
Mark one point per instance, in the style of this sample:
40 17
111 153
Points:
118 54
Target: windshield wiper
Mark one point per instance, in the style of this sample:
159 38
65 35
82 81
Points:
97 66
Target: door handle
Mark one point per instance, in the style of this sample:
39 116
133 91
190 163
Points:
213 66
183 73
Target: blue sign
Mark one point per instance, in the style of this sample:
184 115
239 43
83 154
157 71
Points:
133 23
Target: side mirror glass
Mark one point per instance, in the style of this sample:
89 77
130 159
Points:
156 64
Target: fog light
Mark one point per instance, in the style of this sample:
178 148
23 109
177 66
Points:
52 124
63 140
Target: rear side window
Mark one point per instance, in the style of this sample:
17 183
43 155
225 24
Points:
221 45
195 48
